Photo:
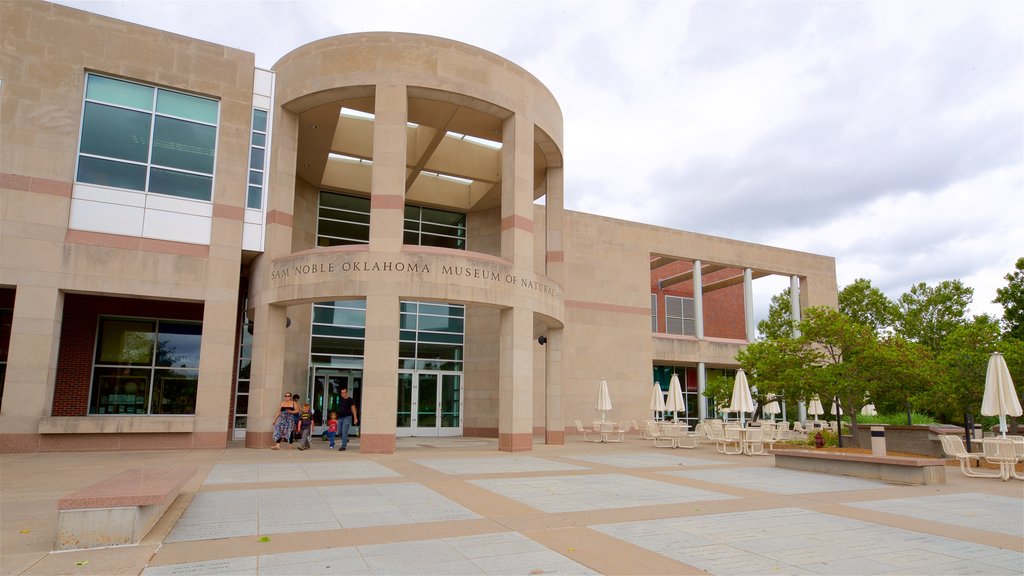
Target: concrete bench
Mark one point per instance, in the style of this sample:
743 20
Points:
118 511
889 468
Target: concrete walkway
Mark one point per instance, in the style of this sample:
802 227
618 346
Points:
458 506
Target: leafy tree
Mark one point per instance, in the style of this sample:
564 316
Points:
928 315
963 363
867 305
1011 298
779 323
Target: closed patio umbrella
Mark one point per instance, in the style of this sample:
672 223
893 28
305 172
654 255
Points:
772 408
604 400
741 402
814 407
675 403
1000 397
657 399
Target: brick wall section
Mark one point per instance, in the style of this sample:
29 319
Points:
723 308
78 340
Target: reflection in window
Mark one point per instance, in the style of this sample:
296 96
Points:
146 366
148 139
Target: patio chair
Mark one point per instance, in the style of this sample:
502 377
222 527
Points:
687 440
953 446
618 434
799 433
781 431
733 441
753 443
586 433
1006 452
659 438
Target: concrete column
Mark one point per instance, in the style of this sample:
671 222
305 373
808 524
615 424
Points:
515 381
555 221
218 356
266 380
748 303
794 304
380 376
702 402
31 366
698 300
554 425
387 187
517 191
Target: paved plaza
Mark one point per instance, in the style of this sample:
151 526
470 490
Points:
458 506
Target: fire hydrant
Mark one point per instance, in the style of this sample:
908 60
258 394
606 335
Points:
819 441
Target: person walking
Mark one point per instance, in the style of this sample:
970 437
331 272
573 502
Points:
332 429
305 426
348 417
295 419
283 422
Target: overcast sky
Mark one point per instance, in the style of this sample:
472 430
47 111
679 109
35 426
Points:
887 134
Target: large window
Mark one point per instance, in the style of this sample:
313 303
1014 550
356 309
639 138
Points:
257 159
432 227
6 318
679 316
145 366
339 333
344 219
244 373
148 139
431 336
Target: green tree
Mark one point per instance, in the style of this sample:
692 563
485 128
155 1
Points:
963 362
779 323
1011 298
928 315
867 305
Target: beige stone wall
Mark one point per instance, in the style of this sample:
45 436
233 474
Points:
45 53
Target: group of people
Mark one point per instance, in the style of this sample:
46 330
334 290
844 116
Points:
295 419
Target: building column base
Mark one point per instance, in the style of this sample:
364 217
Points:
515 442
376 443
556 437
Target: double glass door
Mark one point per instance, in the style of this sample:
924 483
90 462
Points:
326 384
429 403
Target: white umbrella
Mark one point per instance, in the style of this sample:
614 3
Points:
814 408
657 399
869 410
741 402
675 403
772 408
604 400
1000 397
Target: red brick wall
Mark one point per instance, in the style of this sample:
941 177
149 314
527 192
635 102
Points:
78 340
723 308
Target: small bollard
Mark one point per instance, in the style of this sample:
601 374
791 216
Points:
878 441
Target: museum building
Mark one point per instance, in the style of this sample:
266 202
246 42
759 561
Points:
185 237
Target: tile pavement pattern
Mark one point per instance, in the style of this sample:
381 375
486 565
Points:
457 507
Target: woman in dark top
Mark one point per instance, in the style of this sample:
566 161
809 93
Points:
283 422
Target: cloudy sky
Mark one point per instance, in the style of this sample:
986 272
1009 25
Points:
888 134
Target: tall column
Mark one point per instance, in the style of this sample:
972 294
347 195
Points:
266 383
555 220
31 366
554 426
380 376
515 381
698 300
517 191
387 181
748 303
702 402
217 358
794 306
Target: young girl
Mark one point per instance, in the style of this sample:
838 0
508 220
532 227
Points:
332 428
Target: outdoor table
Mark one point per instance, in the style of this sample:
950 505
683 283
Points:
1005 451
604 427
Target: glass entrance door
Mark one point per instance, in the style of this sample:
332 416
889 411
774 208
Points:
429 403
326 384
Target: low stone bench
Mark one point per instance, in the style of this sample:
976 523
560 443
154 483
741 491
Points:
118 511
901 469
